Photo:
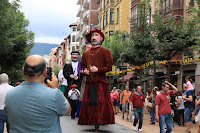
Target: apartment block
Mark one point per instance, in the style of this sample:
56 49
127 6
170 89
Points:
87 14
113 16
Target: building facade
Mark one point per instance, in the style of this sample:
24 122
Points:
72 42
113 16
87 15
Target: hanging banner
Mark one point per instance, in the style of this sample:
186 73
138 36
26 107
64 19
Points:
162 62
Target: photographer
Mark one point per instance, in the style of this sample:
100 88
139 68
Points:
73 95
32 106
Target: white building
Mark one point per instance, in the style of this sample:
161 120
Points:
72 43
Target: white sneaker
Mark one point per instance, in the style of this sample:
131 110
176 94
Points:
140 130
134 128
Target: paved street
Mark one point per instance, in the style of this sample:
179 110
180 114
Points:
69 125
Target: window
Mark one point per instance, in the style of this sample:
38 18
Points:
163 7
171 5
106 17
73 38
181 3
78 29
112 16
175 4
73 48
100 23
110 34
74 28
167 5
117 15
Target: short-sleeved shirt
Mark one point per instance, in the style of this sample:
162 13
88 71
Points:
188 104
115 95
189 86
34 108
126 96
137 100
163 102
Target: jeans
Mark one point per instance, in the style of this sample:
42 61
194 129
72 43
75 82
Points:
165 119
188 114
138 116
152 113
3 118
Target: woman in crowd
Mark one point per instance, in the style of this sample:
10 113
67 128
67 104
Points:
180 109
152 98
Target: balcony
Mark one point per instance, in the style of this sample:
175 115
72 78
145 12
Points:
86 16
86 4
79 2
85 30
79 12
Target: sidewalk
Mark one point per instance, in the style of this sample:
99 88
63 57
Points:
148 128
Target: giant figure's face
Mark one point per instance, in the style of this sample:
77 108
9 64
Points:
75 57
96 39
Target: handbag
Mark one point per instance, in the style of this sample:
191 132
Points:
150 105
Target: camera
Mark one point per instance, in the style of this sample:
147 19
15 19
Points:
49 73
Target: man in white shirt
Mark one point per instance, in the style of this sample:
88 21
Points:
62 81
4 87
73 95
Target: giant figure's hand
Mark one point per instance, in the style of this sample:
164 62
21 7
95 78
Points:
93 69
86 71
72 76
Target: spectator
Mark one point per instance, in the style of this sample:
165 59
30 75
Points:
32 106
116 98
118 102
196 114
131 112
163 109
189 107
4 87
17 83
62 81
73 95
188 85
138 100
180 109
125 100
152 98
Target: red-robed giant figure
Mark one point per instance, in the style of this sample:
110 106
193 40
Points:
96 108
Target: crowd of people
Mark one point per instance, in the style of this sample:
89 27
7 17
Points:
164 105
82 91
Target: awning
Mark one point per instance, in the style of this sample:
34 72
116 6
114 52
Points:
127 76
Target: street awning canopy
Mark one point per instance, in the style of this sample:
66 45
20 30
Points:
127 76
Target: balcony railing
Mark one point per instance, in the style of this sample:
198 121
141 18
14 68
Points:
86 4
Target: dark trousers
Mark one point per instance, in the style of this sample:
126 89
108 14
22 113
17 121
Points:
138 116
3 118
74 104
180 113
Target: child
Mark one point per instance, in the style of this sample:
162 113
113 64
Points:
188 85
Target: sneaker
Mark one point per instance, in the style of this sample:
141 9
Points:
127 119
134 128
140 130
122 117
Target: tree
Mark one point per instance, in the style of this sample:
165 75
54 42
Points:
140 47
15 40
173 38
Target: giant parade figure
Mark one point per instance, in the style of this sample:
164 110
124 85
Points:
96 108
70 72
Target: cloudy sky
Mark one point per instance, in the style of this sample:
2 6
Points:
50 19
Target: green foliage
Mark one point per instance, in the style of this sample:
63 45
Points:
56 69
116 44
15 40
